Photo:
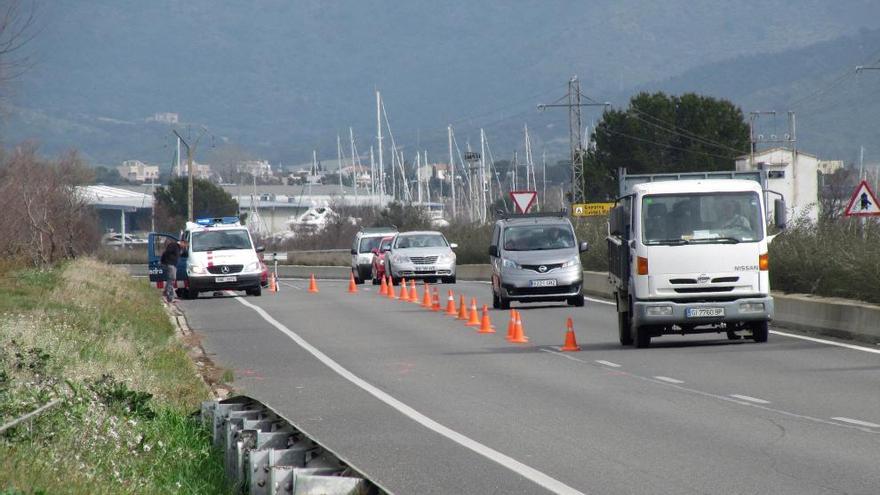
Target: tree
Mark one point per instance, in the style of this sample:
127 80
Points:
17 28
663 133
209 200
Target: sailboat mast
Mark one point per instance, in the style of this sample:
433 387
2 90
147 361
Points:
451 169
379 138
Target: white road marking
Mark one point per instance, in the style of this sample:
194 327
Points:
725 398
523 470
750 399
668 380
828 342
559 353
608 363
600 301
291 285
857 422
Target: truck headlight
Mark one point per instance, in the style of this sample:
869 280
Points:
659 310
572 262
506 263
197 269
751 307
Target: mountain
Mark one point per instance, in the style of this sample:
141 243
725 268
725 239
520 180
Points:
279 78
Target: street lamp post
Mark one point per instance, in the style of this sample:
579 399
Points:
190 151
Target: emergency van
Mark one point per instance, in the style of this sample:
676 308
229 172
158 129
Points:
220 256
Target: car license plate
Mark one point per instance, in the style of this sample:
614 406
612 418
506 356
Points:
221 280
425 268
704 312
543 283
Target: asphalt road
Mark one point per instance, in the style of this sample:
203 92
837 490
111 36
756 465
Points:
422 404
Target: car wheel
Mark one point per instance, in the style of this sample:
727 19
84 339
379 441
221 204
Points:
256 292
577 301
624 328
449 280
760 331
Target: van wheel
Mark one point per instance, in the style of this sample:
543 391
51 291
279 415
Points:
642 337
496 304
760 331
257 292
624 328
503 302
190 294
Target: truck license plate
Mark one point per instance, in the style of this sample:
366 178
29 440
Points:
425 268
543 283
221 280
704 312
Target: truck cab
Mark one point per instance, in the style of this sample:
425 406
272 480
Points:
690 256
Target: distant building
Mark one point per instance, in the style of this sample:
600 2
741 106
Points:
256 168
794 174
202 170
138 171
164 118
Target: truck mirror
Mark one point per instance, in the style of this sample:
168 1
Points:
261 249
779 213
584 246
493 251
354 251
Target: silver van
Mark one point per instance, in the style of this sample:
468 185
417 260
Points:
535 258
362 247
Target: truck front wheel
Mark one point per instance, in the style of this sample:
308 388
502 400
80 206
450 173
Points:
624 328
760 331
642 336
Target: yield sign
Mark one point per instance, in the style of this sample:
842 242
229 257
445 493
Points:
523 200
863 202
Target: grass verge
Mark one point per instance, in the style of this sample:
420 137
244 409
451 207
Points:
100 340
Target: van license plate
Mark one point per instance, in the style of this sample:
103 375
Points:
221 280
704 312
543 283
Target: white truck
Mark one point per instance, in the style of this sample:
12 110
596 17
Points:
688 254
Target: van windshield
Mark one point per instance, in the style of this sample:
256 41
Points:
705 218
538 237
219 240
368 244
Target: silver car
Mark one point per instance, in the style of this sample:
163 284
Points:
535 258
424 255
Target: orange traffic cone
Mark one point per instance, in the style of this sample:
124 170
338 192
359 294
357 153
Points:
511 325
450 305
474 317
383 288
519 335
435 306
352 286
313 285
485 324
426 300
390 288
404 292
570 340
413 293
462 309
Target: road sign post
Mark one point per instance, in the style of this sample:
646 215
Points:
863 202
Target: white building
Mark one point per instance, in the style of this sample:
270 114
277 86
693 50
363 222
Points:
792 173
138 171
256 168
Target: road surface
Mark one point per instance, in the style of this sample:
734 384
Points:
422 404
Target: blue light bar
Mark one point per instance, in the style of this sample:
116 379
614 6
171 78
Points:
207 222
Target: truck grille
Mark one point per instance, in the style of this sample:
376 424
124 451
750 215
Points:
697 290
423 260
218 269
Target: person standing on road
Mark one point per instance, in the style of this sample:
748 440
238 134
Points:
169 260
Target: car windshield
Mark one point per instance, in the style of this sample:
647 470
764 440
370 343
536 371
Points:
420 241
368 244
706 218
219 240
538 237
386 243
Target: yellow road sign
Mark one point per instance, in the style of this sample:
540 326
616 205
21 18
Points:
590 209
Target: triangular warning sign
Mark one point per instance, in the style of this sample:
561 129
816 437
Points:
863 202
523 200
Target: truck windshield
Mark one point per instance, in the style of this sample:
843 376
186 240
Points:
219 240
538 237
705 218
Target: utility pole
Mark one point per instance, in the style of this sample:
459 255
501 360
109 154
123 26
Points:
190 151
451 170
574 135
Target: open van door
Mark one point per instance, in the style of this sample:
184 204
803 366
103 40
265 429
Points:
156 242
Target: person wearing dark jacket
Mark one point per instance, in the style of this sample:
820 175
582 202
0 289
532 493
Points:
169 260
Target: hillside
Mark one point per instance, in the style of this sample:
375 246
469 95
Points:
279 78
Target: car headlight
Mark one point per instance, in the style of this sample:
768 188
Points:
446 258
399 258
572 262
197 269
506 263
252 267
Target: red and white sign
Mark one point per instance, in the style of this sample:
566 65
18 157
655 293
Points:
523 200
863 202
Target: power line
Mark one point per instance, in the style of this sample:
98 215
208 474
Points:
665 145
683 133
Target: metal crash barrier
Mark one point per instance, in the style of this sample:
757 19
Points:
264 454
